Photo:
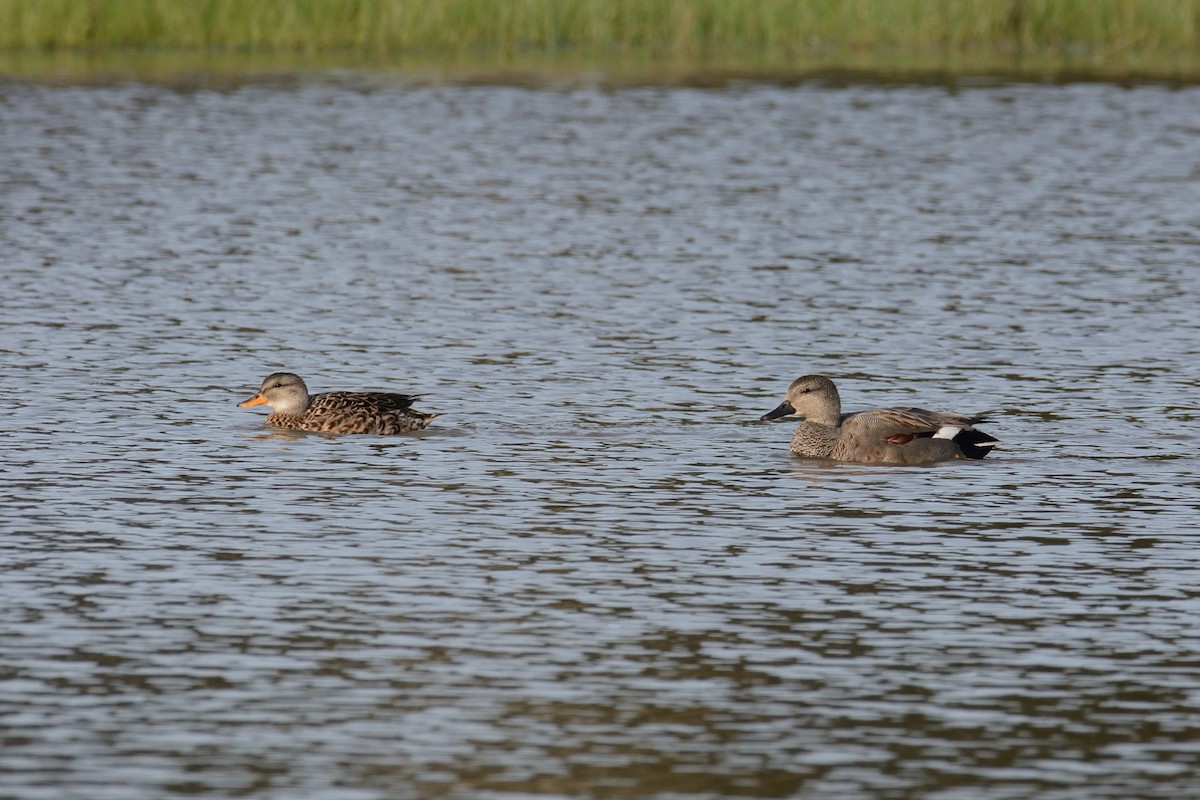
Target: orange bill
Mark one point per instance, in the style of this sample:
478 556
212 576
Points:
257 400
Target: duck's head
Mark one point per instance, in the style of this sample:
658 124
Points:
282 391
812 396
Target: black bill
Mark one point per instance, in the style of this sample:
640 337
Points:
781 410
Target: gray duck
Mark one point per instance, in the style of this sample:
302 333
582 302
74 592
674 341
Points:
878 436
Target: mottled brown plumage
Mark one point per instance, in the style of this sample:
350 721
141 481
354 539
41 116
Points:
878 436
383 413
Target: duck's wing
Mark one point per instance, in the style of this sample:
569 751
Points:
902 425
364 412
377 402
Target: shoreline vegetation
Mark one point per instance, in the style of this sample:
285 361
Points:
636 39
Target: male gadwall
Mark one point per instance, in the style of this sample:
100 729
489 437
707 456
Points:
879 436
336 412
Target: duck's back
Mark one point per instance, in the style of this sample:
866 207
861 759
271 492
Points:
383 413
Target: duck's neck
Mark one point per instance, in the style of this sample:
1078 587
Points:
829 416
814 439
282 420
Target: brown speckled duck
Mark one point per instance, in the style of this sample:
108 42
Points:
879 436
336 412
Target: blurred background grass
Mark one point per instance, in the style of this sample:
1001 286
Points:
784 34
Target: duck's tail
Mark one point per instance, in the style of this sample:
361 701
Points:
973 443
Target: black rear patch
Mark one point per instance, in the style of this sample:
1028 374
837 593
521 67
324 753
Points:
975 444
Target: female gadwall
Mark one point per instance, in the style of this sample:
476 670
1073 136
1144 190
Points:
336 412
879 436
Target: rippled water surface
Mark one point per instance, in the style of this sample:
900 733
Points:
598 575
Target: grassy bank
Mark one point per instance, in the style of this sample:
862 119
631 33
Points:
767 32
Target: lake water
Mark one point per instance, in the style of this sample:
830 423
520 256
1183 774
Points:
598 575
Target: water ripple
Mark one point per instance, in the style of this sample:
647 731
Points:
597 575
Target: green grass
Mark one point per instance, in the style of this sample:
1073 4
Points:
779 32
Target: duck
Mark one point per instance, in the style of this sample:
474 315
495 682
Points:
909 436
385 413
